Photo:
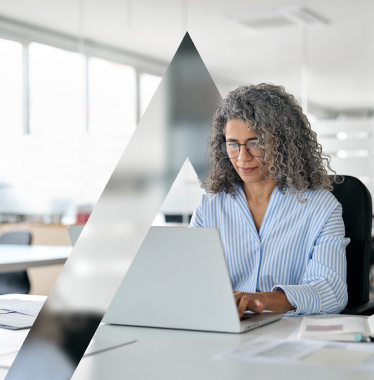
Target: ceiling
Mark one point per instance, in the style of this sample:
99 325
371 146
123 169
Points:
329 66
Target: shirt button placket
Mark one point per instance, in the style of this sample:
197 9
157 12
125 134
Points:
257 266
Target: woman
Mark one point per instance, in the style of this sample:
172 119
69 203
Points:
269 195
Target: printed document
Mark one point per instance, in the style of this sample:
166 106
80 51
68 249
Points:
298 352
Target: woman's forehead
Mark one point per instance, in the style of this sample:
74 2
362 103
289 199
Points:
237 129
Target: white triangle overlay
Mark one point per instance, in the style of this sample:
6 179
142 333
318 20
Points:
184 195
172 133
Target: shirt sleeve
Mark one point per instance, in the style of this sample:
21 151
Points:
324 287
197 217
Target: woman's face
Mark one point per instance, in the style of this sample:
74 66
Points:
247 166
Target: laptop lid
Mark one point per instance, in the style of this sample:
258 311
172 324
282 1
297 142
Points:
179 279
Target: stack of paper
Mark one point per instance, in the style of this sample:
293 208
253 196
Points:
18 314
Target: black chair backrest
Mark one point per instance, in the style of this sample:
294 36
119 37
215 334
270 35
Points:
357 215
15 282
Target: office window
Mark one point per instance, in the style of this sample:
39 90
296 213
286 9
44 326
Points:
80 113
349 142
148 86
112 97
11 115
57 91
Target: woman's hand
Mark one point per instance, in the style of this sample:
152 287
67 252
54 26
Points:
258 302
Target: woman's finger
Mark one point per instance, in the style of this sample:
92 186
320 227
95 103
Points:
242 305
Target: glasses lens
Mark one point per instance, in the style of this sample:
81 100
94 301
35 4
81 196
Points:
253 148
230 149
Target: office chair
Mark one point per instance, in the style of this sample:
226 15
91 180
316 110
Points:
15 282
357 215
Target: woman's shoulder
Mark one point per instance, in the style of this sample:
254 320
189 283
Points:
316 199
210 206
320 194
213 197
321 197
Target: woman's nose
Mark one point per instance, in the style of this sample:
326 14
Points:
243 154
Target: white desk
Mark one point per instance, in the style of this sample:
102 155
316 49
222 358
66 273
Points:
177 354
14 257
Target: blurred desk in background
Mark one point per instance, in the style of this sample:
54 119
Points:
21 257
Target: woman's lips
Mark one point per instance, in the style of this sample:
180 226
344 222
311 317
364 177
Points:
247 170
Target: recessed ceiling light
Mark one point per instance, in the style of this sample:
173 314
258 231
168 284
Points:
275 17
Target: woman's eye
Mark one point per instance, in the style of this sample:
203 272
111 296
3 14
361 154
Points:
232 145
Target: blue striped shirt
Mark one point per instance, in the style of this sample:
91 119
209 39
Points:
300 247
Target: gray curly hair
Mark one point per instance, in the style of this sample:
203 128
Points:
295 158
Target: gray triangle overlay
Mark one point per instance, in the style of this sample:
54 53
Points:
174 127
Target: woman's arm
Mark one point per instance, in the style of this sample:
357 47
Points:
323 288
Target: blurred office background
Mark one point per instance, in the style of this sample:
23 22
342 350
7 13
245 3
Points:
77 75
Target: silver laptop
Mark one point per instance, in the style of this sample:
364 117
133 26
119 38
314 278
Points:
179 280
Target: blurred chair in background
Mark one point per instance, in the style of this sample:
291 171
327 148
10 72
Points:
357 215
15 282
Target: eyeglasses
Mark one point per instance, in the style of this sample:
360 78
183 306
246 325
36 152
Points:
231 149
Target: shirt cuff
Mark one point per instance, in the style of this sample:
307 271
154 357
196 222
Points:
304 298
